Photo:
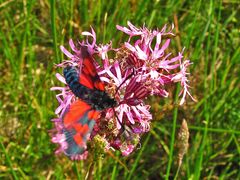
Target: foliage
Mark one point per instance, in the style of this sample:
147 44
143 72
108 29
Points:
30 35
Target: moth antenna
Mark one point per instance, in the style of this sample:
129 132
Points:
129 76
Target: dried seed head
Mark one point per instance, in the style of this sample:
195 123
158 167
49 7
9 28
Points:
183 137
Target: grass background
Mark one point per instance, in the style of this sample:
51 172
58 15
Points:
30 35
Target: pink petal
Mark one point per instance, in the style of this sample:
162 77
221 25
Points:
66 52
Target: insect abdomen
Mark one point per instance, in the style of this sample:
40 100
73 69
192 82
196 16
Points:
72 79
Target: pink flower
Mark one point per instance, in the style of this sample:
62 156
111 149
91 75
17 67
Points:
140 68
182 77
130 94
158 69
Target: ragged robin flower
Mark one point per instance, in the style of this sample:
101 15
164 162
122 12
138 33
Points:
139 68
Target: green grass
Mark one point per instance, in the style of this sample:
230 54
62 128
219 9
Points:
30 35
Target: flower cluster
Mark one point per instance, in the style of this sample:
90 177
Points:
140 68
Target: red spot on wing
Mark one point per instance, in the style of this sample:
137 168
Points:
93 115
86 81
89 76
99 85
82 129
75 113
89 67
78 139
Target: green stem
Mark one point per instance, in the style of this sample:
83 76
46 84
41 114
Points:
8 160
138 157
54 31
175 114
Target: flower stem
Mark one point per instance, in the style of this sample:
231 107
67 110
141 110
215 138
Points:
175 114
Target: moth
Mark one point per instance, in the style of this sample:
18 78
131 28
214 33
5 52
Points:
80 117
